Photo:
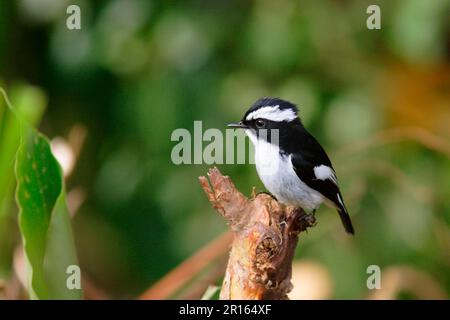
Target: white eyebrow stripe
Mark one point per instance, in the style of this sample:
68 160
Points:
324 172
272 113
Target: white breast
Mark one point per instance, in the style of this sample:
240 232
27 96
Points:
278 176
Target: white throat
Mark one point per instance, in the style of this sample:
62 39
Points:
267 154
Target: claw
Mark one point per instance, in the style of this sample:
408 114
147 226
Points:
310 219
268 193
282 223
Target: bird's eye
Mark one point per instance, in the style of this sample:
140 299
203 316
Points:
259 123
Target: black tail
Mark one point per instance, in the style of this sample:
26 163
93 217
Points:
345 218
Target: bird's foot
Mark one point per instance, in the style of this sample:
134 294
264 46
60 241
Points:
307 220
268 193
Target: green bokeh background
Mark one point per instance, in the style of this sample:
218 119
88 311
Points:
137 70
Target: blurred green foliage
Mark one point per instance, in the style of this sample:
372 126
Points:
139 69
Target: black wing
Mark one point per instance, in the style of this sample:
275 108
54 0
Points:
305 171
304 163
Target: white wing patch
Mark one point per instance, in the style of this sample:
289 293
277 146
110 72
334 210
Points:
272 113
340 200
324 172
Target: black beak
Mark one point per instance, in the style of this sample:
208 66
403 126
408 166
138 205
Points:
237 125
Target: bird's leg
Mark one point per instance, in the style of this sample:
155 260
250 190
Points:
311 218
308 219
268 193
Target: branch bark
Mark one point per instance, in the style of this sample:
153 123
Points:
265 237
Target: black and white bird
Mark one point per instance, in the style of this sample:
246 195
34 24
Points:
290 162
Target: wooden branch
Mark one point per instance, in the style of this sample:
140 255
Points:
265 237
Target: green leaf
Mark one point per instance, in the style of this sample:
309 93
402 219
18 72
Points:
44 220
43 217
30 103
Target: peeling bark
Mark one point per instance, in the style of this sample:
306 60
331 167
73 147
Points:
265 238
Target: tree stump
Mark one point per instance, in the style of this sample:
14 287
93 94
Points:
265 238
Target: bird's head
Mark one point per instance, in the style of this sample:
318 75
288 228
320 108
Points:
268 114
